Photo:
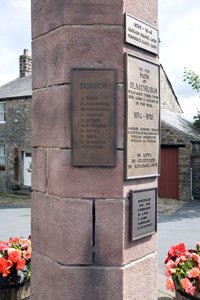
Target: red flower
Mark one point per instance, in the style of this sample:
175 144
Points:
27 254
14 240
4 245
20 264
177 250
187 286
14 255
193 273
5 265
170 284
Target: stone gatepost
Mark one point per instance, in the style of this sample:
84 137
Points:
94 173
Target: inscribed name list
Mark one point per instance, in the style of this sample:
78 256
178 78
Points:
143 117
93 117
143 213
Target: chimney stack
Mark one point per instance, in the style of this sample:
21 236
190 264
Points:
25 64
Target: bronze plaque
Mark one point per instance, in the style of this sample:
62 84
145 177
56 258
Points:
142 118
141 34
143 213
93 117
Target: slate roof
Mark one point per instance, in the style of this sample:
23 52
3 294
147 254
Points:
180 124
20 87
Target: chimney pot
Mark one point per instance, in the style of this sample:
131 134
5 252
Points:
26 52
25 64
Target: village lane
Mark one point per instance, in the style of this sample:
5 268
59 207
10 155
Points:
181 226
14 222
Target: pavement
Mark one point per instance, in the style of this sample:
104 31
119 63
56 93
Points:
166 207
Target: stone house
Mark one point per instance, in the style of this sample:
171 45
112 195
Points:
180 141
180 148
15 128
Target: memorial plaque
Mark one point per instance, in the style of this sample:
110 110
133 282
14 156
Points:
93 117
143 213
141 34
142 118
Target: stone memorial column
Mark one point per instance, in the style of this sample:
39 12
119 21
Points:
94 174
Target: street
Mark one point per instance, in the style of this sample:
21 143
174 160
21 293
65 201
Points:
182 226
14 222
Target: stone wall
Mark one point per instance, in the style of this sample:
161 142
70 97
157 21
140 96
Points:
171 137
195 165
167 96
15 132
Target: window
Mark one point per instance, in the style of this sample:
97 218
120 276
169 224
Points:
2 112
2 158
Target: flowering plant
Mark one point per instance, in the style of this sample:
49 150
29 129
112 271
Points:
15 261
183 270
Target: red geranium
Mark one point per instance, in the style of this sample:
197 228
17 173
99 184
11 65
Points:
15 260
183 266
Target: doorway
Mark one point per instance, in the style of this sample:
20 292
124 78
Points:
27 163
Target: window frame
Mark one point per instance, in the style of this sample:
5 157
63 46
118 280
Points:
3 167
2 112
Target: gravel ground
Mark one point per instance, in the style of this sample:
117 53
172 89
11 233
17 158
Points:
166 206
15 200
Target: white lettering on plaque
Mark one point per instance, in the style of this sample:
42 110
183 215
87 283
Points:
142 118
141 34
143 213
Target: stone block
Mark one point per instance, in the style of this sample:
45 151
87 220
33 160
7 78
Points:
109 231
88 182
134 250
51 117
140 9
62 229
92 12
39 63
137 280
74 283
140 279
48 15
39 165
86 47
112 241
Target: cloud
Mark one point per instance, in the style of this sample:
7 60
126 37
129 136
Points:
180 46
190 106
15 35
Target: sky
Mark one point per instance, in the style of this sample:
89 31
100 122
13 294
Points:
15 35
179 23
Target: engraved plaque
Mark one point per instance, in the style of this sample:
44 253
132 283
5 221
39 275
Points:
141 34
93 117
142 118
143 213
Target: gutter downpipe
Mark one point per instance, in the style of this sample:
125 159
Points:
191 196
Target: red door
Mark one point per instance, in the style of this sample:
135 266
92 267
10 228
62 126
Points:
168 179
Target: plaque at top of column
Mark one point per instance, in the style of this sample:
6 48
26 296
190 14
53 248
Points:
141 34
142 118
93 117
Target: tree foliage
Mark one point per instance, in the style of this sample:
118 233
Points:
193 79
196 118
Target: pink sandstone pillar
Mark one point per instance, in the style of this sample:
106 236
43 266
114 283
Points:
80 215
